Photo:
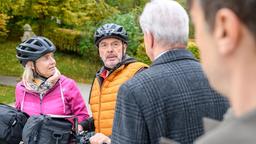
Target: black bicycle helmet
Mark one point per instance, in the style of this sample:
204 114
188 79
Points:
110 30
33 48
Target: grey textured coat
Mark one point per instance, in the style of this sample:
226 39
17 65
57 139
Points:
233 131
167 100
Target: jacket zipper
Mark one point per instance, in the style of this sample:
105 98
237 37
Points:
99 116
41 99
100 106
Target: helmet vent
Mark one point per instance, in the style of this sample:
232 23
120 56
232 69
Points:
47 42
38 44
33 50
120 29
30 41
112 27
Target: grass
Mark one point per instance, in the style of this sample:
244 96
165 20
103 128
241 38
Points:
7 94
77 68
71 65
9 64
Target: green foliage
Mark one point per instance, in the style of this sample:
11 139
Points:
46 14
39 12
141 54
182 2
97 11
126 6
191 30
75 67
5 6
194 49
7 94
88 47
3 22
8 61
66 39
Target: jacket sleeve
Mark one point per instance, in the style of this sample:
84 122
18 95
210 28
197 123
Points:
129 125
18 96
78 106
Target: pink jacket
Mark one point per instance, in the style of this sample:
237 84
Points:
64 98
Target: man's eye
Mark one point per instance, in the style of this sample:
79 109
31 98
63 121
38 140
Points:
103 45
116 44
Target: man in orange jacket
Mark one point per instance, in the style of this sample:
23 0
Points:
112 41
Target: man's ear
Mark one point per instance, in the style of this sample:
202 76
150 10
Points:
227 31
150 39
149 43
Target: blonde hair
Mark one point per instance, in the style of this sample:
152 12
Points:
28 76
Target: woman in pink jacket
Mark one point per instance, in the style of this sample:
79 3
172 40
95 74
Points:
43 90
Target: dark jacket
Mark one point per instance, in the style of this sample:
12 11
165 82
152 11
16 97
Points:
167 100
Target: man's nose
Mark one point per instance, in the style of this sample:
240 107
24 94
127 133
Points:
109 48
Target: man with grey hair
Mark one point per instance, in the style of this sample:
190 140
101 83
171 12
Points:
171 97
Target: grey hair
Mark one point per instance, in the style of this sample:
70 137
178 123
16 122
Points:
167 20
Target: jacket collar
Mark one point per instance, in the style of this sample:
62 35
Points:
127 60
174 55
61 79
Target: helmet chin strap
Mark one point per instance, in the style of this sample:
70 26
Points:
123 53
107 68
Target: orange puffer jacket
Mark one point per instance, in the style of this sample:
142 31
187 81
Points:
103 95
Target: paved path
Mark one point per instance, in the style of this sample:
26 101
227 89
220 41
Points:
9 81
84 88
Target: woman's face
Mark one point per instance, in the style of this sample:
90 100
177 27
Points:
45 65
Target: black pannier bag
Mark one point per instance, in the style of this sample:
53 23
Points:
12 122
43 129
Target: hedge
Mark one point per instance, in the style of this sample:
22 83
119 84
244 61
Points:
66 40
3 23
